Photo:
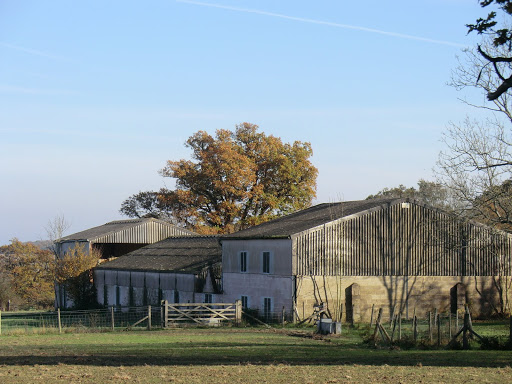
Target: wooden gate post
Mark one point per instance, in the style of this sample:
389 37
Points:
238 312
165 313
149 317
58 320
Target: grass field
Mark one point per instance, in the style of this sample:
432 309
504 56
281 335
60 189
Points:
227 355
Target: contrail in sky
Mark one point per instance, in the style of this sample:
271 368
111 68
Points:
32 51
34 91
328 23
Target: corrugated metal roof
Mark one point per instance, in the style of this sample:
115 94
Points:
297 222
185 254
136 231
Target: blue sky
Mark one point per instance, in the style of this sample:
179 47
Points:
95 96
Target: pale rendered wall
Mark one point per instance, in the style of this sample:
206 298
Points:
256 285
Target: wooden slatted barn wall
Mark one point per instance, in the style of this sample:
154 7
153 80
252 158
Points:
402 240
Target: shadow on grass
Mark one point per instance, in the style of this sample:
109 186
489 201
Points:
202 354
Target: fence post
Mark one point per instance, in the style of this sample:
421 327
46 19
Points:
392 318
510 337
238 312
430 326
465 341
377 324
450 325
58 320
283 314
438 329
400 326
415 328
149 317
166 313
112 317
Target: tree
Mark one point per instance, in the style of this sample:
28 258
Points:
147 204
74 272
476 163
6 292
501 37
476 166
234 180
429 192
30 271
55 230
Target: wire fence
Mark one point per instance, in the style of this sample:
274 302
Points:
112 318
69 321
439 329
430 330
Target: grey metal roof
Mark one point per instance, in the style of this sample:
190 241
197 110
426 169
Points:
136 231
185 254
297 222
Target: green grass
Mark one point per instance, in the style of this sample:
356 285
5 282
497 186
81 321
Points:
236 355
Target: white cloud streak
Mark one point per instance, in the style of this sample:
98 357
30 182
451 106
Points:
327 23
33 52
34 91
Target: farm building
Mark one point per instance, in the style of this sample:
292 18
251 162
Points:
394 254
178 270
115 239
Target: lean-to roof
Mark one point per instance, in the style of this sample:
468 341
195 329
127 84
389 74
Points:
185 254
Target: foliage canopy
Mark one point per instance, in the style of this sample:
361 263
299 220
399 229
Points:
74 272
29 270
501 37
234 180
428 192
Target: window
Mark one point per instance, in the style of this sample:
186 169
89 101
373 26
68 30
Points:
176 297
267 307
208 298
266 262
243 261
245 302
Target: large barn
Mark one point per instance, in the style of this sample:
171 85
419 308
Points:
115 239
178 270
396 254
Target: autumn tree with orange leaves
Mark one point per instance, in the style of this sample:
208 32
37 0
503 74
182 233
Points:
234 180
74 272
29 271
